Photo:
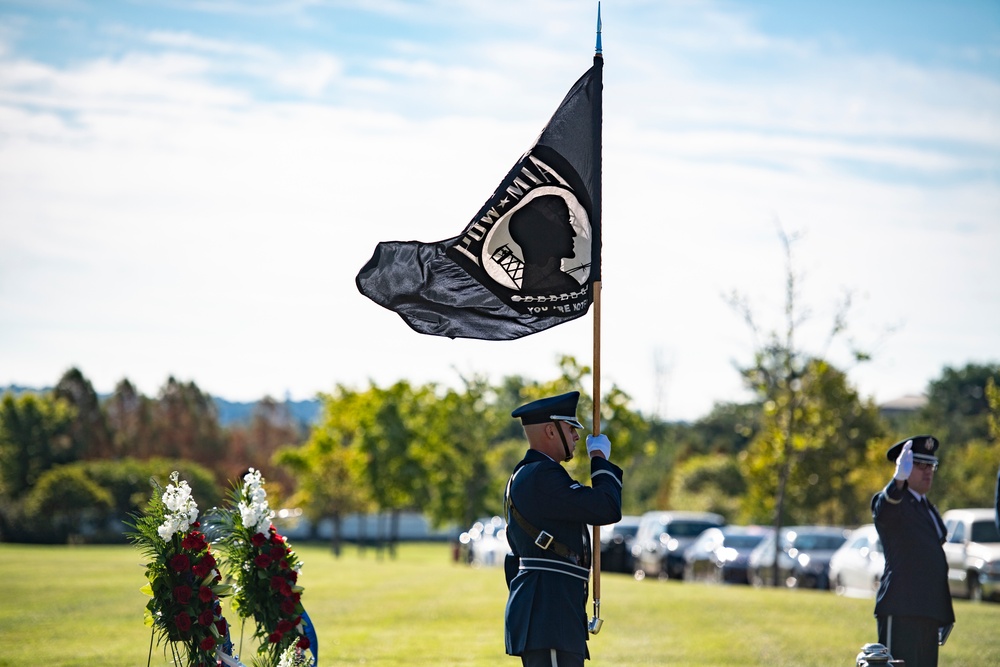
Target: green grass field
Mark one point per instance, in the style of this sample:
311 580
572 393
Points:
81 606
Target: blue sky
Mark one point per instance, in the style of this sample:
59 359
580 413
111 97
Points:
188 188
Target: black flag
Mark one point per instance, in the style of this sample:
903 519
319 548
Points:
528 260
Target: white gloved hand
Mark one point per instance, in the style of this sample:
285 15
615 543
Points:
904 462
599 443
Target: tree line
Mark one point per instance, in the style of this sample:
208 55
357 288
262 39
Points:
806 449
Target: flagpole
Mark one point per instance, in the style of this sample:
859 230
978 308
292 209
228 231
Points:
596 622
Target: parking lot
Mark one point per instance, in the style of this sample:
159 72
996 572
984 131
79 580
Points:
699 547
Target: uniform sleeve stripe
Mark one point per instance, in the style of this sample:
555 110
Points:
606 472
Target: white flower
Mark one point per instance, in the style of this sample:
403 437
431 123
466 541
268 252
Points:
181 508
254 511
292 657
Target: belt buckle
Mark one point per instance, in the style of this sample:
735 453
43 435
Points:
544 540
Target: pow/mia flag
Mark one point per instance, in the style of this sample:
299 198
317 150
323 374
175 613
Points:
528 259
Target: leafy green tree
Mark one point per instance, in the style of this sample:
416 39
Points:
57 506
91 500
34 436
464 454
709 483
825 462
957 406
727 429
329 468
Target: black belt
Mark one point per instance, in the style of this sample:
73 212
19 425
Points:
542 539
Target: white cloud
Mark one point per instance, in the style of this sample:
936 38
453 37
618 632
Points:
159 214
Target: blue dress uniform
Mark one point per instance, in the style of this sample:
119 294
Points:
914 583
546 607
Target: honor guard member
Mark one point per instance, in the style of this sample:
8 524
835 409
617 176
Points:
913 607
547 526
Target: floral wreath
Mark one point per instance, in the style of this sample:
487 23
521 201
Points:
265 574
183 578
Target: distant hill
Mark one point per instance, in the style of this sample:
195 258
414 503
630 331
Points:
230 412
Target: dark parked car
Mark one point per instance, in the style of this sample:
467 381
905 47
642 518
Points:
973 552
803 559
662 539
616 545
720 554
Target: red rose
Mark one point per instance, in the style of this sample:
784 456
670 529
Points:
205 594
201 569
303 643
182 621
276 539
284 625
274 637
277 581
182 594
207 644
194 541
258 539
262 561
282 564
287 607
180 563
206 618
220 626
209 559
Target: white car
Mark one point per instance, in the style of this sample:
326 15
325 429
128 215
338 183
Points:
856 567
973 552
486 542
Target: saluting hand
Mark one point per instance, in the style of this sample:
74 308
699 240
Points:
904 462
599 444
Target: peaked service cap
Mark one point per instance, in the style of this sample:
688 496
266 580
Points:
923 448
553 408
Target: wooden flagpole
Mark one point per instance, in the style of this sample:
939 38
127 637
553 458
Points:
595 624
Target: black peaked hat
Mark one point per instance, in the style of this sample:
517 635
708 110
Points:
923 448
553 408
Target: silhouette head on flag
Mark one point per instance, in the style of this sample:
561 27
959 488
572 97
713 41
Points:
528 259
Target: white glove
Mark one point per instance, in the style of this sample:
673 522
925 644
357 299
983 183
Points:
599 443
904 462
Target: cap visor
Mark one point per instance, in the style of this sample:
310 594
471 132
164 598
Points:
569 420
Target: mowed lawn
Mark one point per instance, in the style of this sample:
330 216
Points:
81 606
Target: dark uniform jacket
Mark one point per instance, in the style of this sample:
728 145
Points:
546 608
915 579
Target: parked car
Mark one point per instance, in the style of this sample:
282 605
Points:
720 555
856 567
973 552
662 539
486 542
616 545
803 557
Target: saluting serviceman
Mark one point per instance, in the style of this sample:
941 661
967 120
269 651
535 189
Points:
547 526
913 607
